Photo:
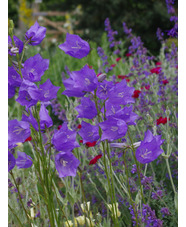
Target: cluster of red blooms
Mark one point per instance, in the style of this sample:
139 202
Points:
123 77
162 120
165 82
136 94
156 70
95 159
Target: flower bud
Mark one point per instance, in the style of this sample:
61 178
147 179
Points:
101 77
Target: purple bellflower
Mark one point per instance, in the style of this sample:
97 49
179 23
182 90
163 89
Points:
18 46
35 34
48 91
113 129
88 132
80 82
18 131
23 160
64 139
121 93
66 164
11 161
29 94
149 149
103 89
30 119
45 119
14 79
87 108
11 91
34 68
75 46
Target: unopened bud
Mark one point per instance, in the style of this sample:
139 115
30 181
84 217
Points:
14 50
101 77
167 112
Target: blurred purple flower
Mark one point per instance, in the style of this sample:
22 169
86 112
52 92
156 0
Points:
11 161
18 45
23 160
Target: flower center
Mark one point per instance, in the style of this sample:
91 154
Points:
121 94
18 130
63 162
114 128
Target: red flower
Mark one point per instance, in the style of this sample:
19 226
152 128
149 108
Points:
113 65
136 94
59 127
91 144
90 67
156 70
128 54
81 141
95 159
162 120
79 127
123 77
158 63
28 139
118 59
165 82
147 87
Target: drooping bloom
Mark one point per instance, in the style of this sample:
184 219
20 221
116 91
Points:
161 120
66 164
113 129
45 119
14 79
88 132
121 94
80 82
95 159
34 68
64 139
149 149
18 131
48 91
87 108
23 160
11 161
18 46
29 94
35 34
136 94
75 46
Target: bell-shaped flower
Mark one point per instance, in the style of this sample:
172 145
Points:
48 91
29 94
23 160
113 129
87 108
88 132
149 149
75 46
11 161
34 68
18 131
35 34
103 89
80 82
64 139
121 94
66 164
30 119
18 45
45 119
14 79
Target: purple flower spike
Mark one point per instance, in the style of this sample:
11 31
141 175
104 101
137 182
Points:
18 46
64 139
80 82
18 131
66 164
149 149
121 94
87 109
29 94
23 161
11 161
75 46
88 132
48 91
34 68
35 34
14 79
113 129
45 119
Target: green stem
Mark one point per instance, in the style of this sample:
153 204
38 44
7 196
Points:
15 215
170 175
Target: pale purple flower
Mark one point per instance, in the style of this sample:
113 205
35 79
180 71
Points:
88 132
23 160
14 79
45 119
